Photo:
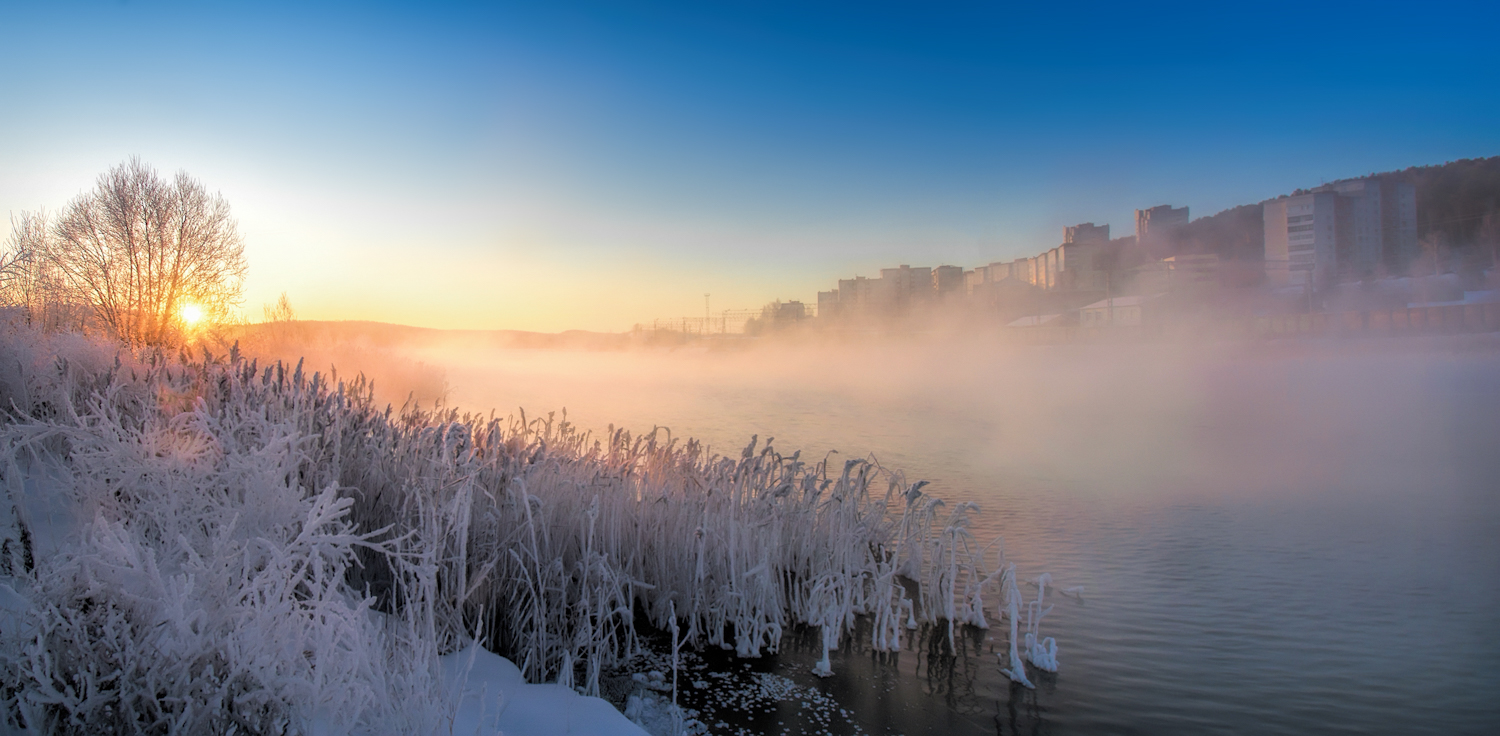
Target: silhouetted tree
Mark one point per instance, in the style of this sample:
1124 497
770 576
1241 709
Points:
28 282
14 260
137 251
280 320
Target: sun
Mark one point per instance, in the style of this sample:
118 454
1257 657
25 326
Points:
191 314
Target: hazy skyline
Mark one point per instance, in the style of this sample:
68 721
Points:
534 166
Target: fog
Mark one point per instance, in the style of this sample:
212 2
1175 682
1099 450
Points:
1326 419
1308 523
1232 418
1253 522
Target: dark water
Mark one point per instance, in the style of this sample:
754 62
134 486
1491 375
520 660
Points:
1280 538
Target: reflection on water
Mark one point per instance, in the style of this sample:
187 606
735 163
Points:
1271 539
926 688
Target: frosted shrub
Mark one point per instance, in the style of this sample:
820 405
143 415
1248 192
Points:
205 591
252 634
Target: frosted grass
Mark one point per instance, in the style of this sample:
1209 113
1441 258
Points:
260 550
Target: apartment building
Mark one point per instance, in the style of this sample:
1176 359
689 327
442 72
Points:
901 287
1301 238
1351 229
1153 226
948 282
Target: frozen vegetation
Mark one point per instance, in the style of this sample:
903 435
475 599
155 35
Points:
216 546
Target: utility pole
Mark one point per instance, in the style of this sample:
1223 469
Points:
1109 295
706 315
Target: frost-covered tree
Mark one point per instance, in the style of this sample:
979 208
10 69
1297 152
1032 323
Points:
29 284
147 257
20 279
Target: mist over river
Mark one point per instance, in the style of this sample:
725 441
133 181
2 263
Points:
1298 537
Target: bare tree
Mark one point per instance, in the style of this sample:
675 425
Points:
1435 251
149 257
280 319
19 251
14 257
282 313
27 282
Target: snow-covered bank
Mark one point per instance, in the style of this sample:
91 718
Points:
491 697
212 546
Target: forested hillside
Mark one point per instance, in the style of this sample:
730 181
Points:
1459 199
1458 211
1234 234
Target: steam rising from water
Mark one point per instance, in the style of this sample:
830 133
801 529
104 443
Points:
1308 524
1232 419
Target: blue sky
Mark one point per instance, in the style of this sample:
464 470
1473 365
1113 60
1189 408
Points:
590 165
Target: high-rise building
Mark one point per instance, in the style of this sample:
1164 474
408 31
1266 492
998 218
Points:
1301 237
1025 269
784 312
1378 226
856 294
948 282
983 282
1348 229
1398 226
1076 266
1152 226
1086 232
976 279
901 287
828 303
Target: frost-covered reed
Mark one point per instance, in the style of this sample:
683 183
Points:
265 549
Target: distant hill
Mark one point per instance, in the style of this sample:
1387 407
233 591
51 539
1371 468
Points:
1459 200
1236 234
1455 199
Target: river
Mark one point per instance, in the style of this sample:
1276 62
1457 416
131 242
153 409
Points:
1275 537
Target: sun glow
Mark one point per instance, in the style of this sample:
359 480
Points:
191 314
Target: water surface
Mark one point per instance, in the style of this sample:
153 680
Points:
1271 538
